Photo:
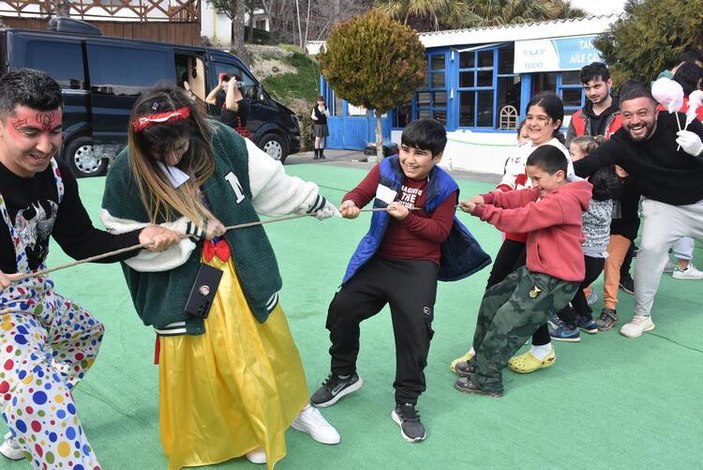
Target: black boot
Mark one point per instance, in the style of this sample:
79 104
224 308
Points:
321 154
316 157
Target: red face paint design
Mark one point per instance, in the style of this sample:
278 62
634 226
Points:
46 120
19 123
29 139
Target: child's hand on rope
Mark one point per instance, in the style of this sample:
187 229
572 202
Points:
397 210
349 210
470 205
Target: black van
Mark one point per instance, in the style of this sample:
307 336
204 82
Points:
102 77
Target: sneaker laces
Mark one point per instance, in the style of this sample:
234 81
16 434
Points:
408 412
331 381
555 321
608 314
312 415
637 320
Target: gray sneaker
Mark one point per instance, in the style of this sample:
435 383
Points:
608 319
10 448
334 388
406 416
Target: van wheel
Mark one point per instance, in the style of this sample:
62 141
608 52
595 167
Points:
274 146
82 159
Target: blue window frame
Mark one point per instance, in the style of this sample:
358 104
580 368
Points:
570 88
486 85
431 99
476 90
565 84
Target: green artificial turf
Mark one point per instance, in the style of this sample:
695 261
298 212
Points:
608 402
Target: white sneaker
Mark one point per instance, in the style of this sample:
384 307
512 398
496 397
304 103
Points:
312 422
638 325
689 273
10 449
256 456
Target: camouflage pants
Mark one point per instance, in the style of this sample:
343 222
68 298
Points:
510 312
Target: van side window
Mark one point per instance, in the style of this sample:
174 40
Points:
249 88
126 71
63 60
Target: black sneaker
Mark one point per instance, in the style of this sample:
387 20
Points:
468 385
627 284
608 319
466 368
334 388
411 428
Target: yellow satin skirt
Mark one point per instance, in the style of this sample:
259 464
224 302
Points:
235 388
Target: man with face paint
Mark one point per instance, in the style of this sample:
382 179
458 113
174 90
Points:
47 342
666 166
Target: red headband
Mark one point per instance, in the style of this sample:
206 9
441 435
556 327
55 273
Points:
141 123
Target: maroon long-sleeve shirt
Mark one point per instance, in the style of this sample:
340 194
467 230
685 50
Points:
419 235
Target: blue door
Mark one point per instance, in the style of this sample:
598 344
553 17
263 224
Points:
353 129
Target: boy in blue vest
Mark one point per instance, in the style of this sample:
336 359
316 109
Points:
414 240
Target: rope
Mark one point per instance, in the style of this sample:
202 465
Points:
109 254
44 272
333 189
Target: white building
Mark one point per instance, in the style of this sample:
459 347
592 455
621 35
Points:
478 83
218 27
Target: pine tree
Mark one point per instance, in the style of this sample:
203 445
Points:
374 61
650 36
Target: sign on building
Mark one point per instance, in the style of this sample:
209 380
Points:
551 55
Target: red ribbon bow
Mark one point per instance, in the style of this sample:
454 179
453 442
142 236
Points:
143 122
219 249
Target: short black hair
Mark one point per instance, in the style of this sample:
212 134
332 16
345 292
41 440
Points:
28 87
688 75
606 184
632 89
548 158
690 55
425 134
594 70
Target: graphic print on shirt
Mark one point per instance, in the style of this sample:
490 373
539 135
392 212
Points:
33 226
408 196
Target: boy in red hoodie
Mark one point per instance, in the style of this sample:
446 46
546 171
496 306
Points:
550 213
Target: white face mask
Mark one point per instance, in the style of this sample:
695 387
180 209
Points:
175 176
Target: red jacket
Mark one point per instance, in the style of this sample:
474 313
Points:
684 108
577 126
553 225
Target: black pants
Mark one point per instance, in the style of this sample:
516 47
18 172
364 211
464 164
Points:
594 268
511 256
410 288
627 262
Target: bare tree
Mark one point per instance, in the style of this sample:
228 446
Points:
61 7
290 24
238 29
